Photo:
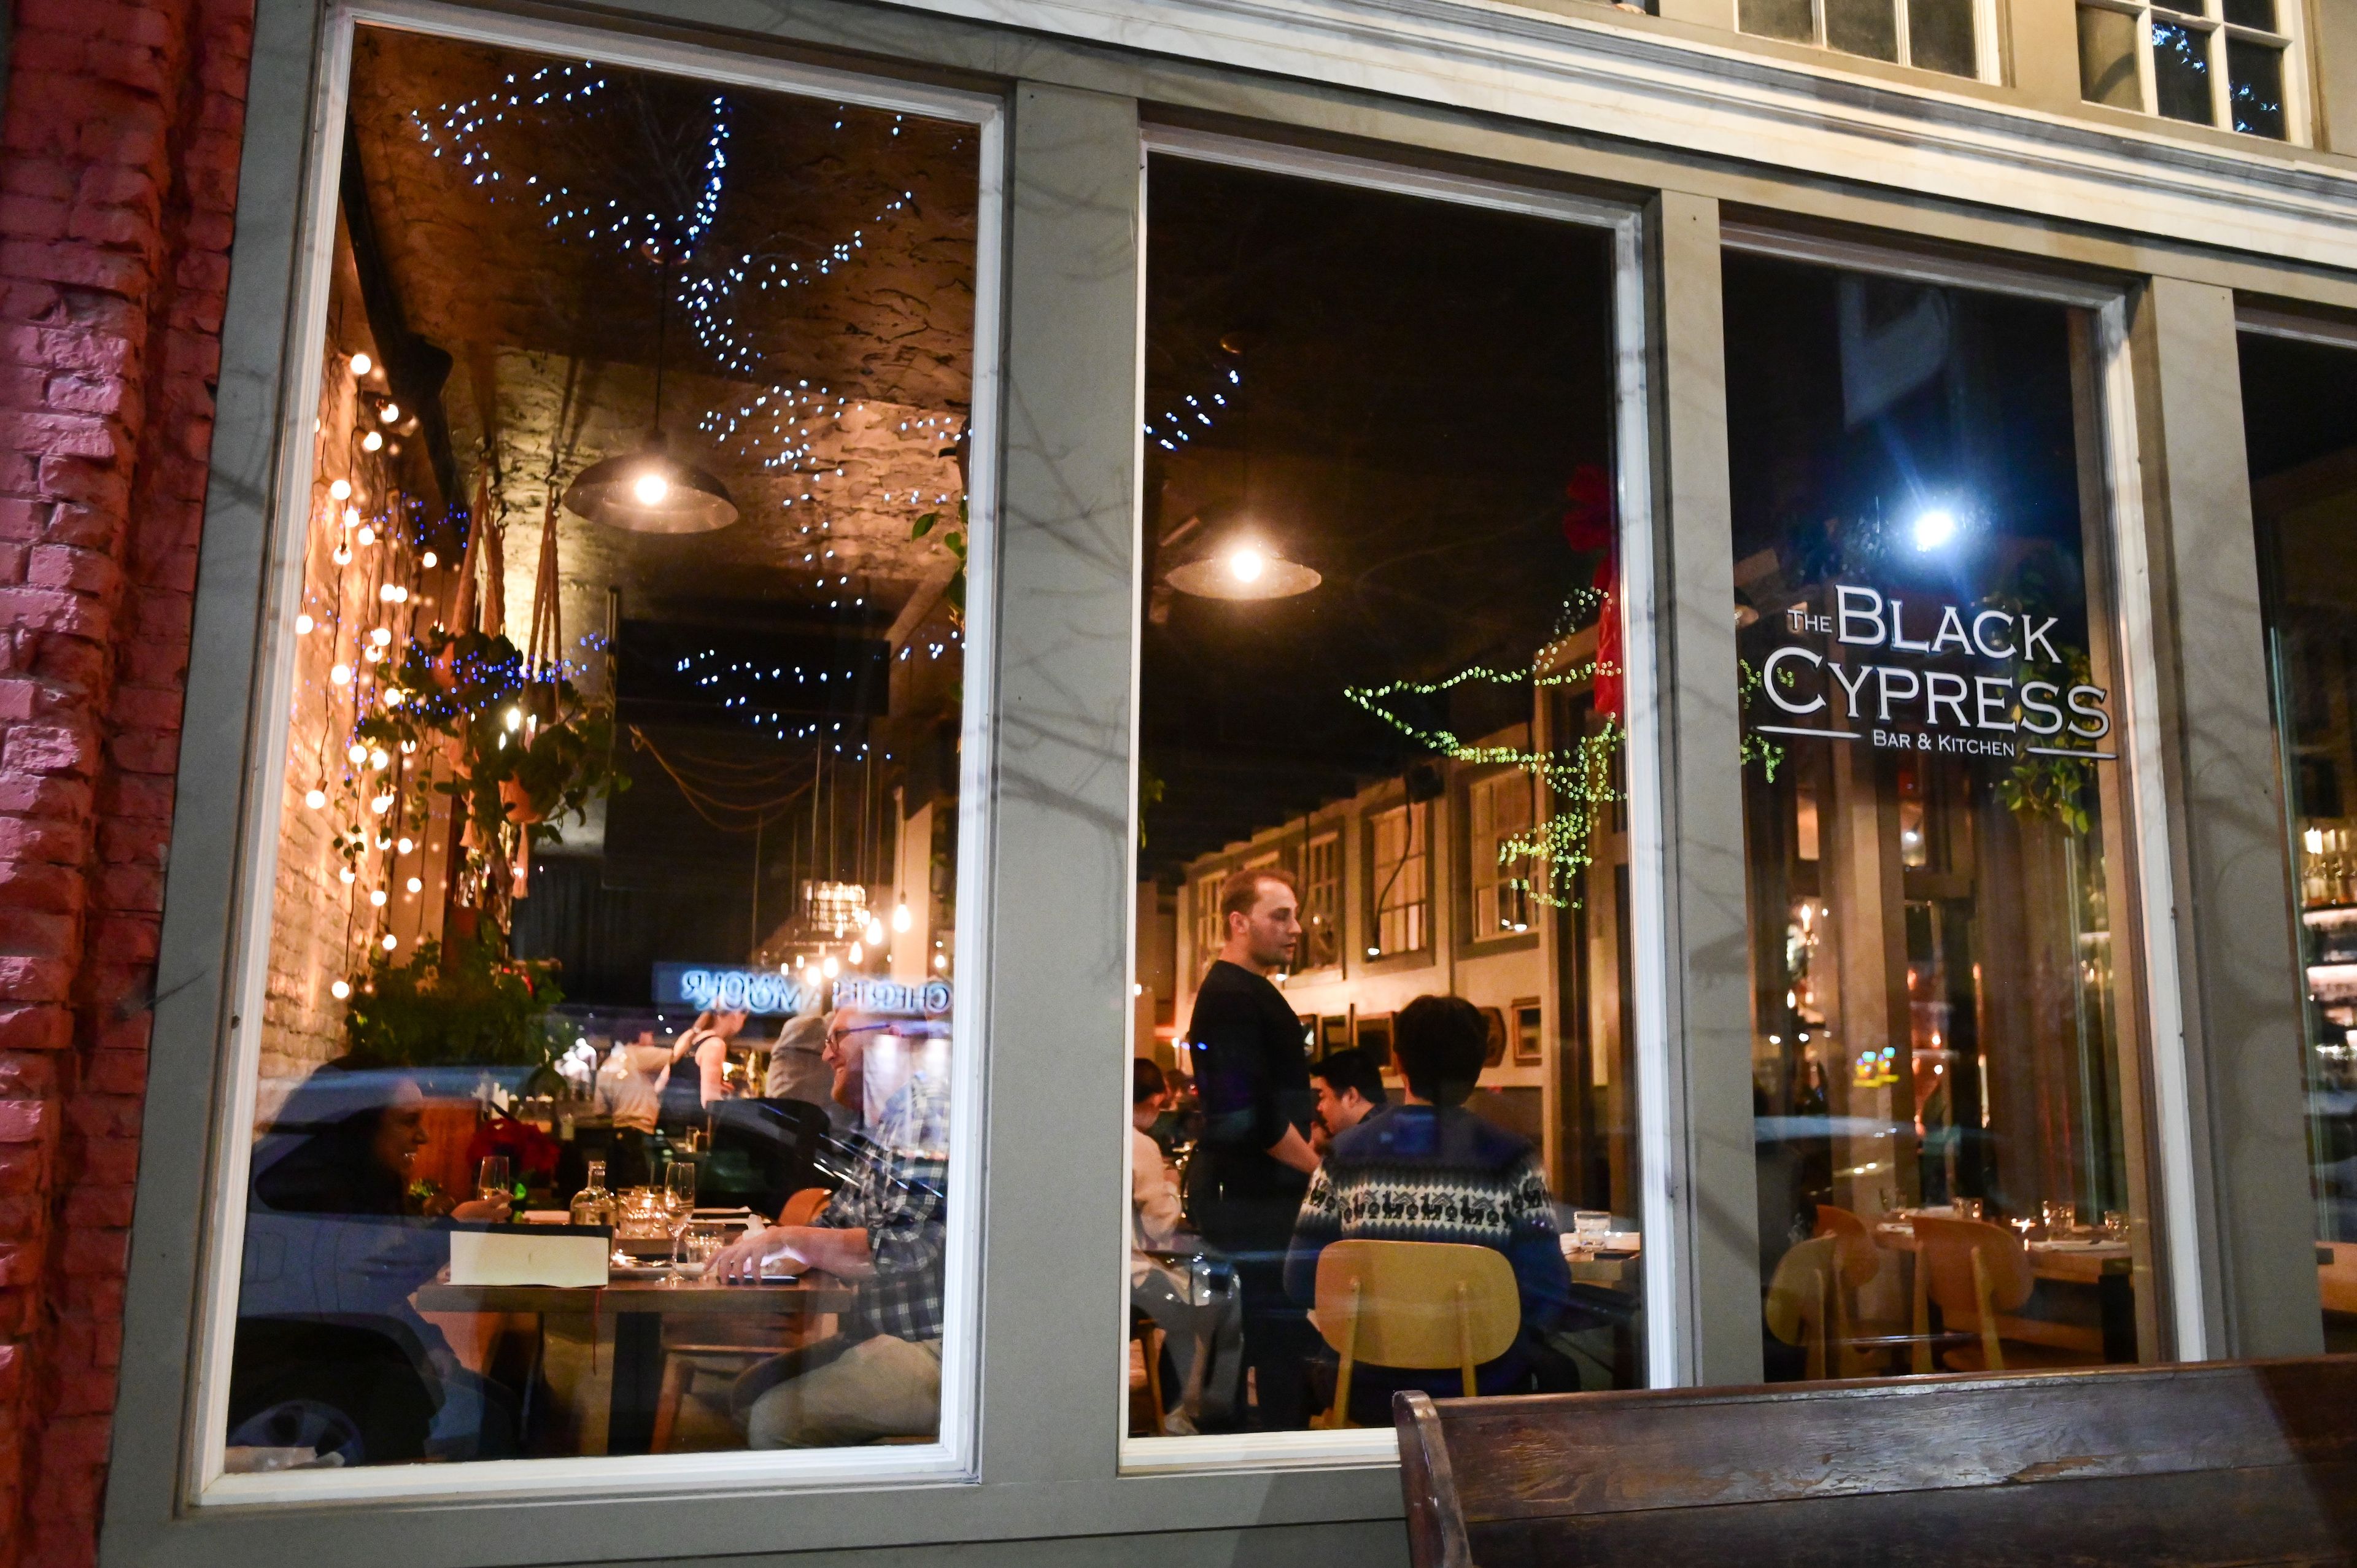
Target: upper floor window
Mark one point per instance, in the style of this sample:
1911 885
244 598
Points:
1401 842
1951 36
1497 854
1322 900
2208 62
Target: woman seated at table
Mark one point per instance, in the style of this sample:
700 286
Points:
330 1355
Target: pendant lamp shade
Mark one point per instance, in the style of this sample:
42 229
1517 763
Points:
650 491
1243 571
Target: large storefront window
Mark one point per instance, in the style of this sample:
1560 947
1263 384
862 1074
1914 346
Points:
1383 1075
2299 412
602 1103
1946 1060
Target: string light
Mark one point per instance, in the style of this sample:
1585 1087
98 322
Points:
1577 781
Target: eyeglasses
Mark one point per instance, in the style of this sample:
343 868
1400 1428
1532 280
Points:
835 1035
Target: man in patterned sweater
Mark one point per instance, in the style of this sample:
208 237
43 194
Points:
1431 1170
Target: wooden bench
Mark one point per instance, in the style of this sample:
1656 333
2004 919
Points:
2236 1462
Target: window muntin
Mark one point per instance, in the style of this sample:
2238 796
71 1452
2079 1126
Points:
1322 900
1274 420
2226 63
423 644
2302 441
1943 990
1399 874
1952 37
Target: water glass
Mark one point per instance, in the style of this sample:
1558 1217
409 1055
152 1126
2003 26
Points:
1591 1226
2061 1218
1970 1208
692 1250
2116 1225
491 1178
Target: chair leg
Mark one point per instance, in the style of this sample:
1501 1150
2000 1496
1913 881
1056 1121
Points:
677 1373
1154 1379
1920 1357
1814 1369
1992 1357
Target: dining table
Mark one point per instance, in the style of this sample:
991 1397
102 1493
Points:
640 1308
2082 1261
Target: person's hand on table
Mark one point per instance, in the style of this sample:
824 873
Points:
740 1262
490 1208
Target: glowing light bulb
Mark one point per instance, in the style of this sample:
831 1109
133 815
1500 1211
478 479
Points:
367 536
315 798
382 804
342 558
341 675
1934 527
859 954
515 718
393 697
347 876
376 896
415 885
831 969
2314 839
429 559
340 990
941 960
362 364
389 412
874 932
356 755
901 919
351 517
380 636
377 759
373 442
339 490
650 488
391 942
303 625
1246 564
403 847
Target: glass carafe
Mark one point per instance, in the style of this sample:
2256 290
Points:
593 1204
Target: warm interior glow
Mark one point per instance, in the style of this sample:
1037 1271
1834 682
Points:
901 919
362 364
651 488
1247 564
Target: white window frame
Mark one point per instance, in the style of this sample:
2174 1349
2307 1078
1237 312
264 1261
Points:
1482 872
1634 459
1986 61
952 1455
2208 17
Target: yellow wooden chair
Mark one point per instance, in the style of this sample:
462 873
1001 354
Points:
1979 1274
1807 1306
1417 1305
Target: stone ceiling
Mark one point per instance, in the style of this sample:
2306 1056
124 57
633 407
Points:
817 347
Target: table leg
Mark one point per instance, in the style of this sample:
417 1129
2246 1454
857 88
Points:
637 1381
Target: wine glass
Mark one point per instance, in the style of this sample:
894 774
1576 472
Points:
2061 1218
491 1182
679 1186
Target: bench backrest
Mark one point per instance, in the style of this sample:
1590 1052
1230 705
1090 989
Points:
2218 1462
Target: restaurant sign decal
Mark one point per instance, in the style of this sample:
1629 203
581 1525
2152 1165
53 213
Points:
1882 691
765 992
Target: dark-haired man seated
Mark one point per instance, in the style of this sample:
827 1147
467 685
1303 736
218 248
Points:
1431 1170
1350 1088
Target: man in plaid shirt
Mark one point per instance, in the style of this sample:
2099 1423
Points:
882 1234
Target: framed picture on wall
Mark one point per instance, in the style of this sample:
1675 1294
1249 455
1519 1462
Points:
1333 1034
1527 1020
1375 1037
1496 1019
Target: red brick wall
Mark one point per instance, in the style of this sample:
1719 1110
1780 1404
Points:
118 170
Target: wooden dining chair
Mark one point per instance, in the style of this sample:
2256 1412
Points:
1977 1273
1416 1304
804 1206
1145 1410
1805 1306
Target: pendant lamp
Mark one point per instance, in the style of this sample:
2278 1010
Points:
649 491
1243 569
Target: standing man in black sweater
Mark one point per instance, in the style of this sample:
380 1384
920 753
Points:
1248 1175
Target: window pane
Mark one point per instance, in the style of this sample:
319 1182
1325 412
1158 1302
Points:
2256 74
2297 404
1789 19
2181 72
1943 1053
1868 27
1940 36
2107 58
614 488
2252 13
1376 577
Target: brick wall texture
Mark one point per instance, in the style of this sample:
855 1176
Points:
118 172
